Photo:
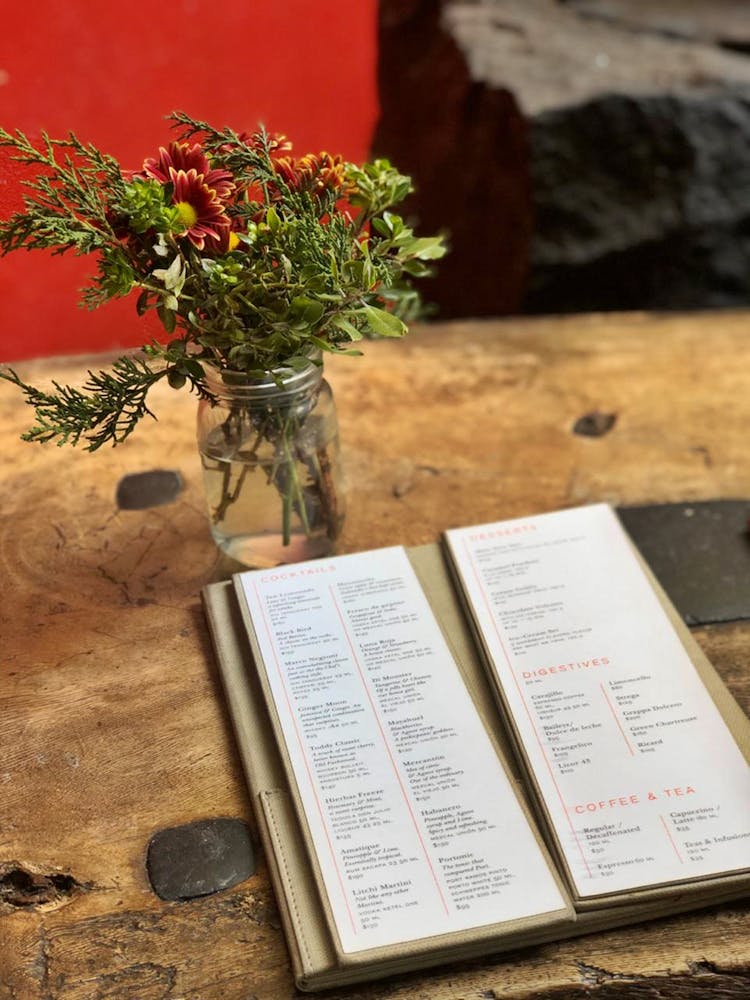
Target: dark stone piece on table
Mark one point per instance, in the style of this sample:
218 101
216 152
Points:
200 858
594 424
141 490
699 552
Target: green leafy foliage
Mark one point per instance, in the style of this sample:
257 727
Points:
250 257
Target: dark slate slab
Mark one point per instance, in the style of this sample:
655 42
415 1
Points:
141 490
700 553
200 858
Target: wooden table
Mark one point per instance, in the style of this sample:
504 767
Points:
113 725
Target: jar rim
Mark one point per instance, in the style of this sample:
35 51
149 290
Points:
228 381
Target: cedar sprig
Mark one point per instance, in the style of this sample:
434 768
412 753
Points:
65 206
107 408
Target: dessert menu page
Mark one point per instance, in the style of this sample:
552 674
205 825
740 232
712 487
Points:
642 780
416 828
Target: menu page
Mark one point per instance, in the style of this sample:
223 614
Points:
416 828
643 781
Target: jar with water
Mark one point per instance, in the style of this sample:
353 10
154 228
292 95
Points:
271 465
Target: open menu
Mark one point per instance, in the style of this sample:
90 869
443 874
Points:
456 751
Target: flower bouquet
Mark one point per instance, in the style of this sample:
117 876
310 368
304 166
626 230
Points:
256 261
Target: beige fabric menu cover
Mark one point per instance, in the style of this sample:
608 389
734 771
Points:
316 959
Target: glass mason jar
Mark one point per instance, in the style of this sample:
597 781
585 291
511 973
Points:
271 465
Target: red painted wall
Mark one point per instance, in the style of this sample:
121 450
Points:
111 72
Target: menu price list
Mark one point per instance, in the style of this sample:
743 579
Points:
643 781
416 828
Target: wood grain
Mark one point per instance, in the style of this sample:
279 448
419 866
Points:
113 725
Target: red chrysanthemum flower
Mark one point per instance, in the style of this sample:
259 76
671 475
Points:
198 207
226 239
183 156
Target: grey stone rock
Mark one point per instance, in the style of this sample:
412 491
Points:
554 55
199 858
141 490
594 424
642 202
632 152
699 552
726 23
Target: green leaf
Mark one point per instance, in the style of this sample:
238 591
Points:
394 222
307 310
354 270
176 347
297 362
382 323
319 342
381 226
272 219
171 276
346 327
426 248
167 317
416 268
401 188
194 368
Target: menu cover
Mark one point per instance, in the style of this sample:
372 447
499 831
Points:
406 820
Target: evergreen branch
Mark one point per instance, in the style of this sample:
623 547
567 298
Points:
107 410
231 151
65 208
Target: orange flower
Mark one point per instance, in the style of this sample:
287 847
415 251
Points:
314 172
275 142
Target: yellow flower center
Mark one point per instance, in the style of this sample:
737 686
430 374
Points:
186 214
233 241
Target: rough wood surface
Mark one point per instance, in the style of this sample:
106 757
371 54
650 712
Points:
113 726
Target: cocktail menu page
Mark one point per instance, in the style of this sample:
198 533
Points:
416 826
641 781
